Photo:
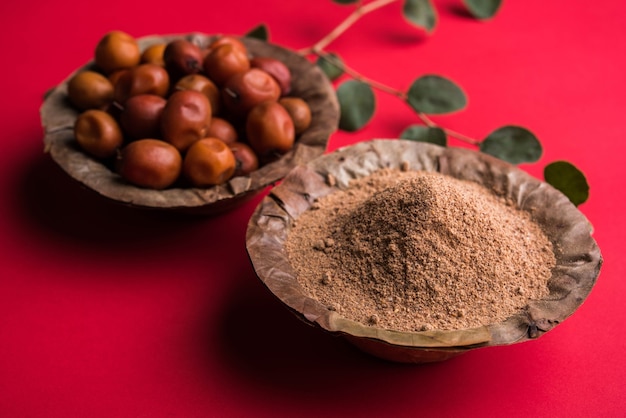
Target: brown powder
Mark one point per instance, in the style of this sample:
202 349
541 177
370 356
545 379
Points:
413 251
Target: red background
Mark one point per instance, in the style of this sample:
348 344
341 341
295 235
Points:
106 311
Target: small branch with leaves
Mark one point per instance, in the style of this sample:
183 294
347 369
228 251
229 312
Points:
430 94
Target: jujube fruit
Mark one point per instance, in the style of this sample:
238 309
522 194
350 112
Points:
222 129
90 90
208 162
225 61
98 133
276 69
228 40
246 159
185 118
115 76
141 116
115 51
269 129
245 90
150 163
184 110
182 57
153 55
200 83
142 79
299 111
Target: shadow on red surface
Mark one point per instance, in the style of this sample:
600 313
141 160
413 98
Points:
262 343
51 201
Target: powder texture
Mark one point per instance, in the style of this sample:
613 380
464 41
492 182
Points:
413 251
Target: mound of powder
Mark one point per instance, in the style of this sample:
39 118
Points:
413 251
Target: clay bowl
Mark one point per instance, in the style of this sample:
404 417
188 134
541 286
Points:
309 83
578 258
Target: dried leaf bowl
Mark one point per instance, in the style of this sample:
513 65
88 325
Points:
578 258
308 82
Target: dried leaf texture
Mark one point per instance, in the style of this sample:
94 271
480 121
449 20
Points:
578 258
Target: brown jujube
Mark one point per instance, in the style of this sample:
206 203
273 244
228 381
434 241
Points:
150 163
143 79
247 89
224 61
153 55
222 129
90 90
182 57
199 82
98 133
115 51
276 69
141 116
208 162
299 111
185 118
245 158
269 129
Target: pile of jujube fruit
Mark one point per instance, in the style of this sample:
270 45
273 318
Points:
178 114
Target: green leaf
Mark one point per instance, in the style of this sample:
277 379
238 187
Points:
345 1
259 32
332 66
433 94
568 179
483 9
356 103
425 134
513 144
420 13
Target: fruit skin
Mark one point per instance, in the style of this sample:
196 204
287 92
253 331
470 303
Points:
150 163
153 55
246 159
299 111
142 79
141 116
90 90
116 50
200 83
114 77
270 129
182 57
276 69
247 89
222 129
228 40
98 133
224 61
208 162
185 118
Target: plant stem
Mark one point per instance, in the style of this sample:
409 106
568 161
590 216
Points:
428 122
394 92
361 10
360 77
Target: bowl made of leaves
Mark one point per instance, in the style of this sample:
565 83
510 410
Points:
308 82
578 258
